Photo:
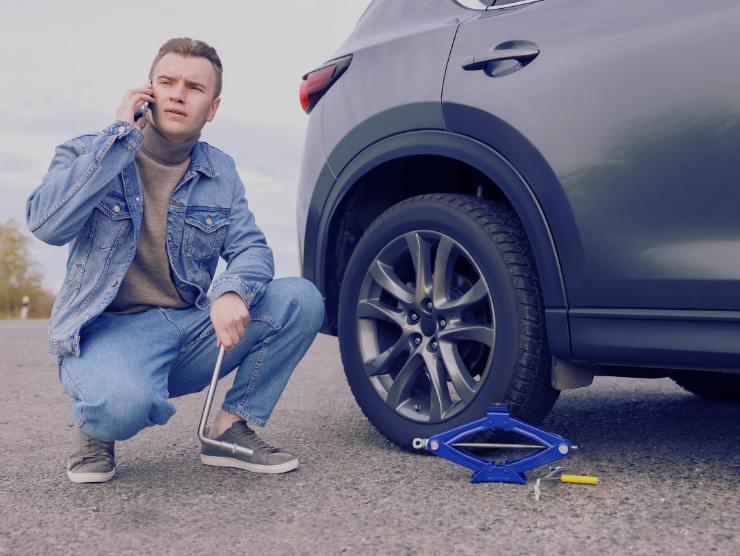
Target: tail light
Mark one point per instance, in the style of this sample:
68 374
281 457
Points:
317 82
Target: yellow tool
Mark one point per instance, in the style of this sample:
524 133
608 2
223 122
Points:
556 473
579 479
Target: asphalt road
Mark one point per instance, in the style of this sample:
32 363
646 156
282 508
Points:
669 464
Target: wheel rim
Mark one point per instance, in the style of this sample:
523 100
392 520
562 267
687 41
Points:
425 326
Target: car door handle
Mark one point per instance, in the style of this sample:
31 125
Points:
479 61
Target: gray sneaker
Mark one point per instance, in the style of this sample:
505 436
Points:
266 458
93 461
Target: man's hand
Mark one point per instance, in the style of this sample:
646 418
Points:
132 101
229 316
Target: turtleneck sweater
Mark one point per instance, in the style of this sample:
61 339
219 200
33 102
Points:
148 281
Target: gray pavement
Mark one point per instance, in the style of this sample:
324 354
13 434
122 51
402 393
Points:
669 464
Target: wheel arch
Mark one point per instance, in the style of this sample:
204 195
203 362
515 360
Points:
456 164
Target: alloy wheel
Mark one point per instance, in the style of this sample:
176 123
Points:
425 326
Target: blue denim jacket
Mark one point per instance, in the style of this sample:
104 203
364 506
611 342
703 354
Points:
90 198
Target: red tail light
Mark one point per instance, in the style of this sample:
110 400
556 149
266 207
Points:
317 82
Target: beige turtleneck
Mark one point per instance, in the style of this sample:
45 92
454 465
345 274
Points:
148 281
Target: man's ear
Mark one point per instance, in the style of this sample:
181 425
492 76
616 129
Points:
212 110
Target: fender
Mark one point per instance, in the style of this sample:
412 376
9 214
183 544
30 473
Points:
476 154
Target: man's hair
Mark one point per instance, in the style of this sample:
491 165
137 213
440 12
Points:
185 46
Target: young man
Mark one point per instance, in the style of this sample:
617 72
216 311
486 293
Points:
147 209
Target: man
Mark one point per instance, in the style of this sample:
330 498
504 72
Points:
147 209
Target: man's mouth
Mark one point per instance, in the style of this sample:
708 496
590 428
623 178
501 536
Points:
175 112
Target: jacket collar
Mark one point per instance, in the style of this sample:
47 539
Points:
201 162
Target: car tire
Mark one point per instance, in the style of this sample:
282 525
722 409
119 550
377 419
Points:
711 385
498 339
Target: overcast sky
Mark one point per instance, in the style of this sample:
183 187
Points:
67 65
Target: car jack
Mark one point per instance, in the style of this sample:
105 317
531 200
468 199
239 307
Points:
451 445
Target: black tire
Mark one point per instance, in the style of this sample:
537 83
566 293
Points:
485 234
711 385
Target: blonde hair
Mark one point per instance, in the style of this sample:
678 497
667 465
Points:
185 46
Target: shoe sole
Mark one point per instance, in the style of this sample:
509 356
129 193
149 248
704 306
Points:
220 461
91 477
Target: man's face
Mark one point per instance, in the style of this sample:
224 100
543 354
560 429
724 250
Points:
186 85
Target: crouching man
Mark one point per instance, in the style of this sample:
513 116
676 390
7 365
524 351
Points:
147 209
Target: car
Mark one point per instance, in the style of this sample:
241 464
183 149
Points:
501 200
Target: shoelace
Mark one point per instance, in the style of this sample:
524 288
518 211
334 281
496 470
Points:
95 450
250 439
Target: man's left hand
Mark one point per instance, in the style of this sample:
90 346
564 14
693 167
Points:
229 316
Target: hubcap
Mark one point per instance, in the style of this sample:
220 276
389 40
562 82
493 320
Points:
428 326
425 326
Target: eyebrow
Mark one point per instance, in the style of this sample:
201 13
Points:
187 81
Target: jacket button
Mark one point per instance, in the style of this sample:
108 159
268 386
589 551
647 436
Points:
209 221
121 129
116 209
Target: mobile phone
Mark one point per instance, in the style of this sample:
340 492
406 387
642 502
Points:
143 110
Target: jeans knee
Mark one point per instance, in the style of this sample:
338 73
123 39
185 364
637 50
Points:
125 412
310 303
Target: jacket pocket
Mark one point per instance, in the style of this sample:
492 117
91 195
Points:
111 221
205 230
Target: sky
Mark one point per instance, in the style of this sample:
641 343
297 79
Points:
67 65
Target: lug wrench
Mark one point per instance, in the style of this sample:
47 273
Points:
233 448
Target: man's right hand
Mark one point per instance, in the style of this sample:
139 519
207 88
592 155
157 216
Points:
132 101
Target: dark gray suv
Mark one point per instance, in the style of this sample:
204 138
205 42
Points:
500 200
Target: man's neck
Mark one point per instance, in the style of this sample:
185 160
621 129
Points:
163 149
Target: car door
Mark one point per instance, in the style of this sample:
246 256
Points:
624 119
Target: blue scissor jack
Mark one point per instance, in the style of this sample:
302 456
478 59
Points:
447 445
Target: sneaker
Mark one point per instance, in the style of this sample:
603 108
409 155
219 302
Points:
266 458
93 461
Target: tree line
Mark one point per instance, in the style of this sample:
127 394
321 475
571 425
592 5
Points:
20 275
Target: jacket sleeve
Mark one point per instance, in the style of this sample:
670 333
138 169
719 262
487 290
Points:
250 263
76 181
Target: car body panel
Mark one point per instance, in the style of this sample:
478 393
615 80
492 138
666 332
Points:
338 129
638 115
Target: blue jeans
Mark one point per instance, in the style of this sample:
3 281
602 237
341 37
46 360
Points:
131 365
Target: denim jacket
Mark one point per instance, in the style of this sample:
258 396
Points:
90 198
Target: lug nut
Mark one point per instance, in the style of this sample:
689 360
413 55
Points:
443 323
414 316
417 340
434 345
429 305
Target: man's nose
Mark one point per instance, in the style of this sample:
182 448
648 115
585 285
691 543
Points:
176 93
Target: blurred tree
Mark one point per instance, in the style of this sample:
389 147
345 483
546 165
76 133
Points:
20 275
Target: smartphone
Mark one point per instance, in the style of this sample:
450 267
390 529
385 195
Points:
143 110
